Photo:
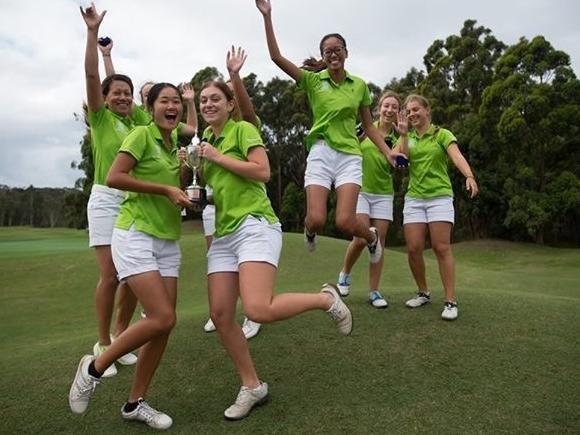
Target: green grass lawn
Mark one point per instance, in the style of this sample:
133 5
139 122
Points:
510 364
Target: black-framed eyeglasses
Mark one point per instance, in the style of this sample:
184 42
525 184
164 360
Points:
339 49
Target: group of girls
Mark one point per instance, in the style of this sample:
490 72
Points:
243 255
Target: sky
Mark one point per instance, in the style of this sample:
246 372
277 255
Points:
42 52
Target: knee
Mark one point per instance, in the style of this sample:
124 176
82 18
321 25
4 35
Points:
414 250
315 221
258 313
164 321
359 242
442 249
346 224
109 279
220 318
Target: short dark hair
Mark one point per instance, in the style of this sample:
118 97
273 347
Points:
106 85
332 35
156 90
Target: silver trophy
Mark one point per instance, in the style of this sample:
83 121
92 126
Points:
194 191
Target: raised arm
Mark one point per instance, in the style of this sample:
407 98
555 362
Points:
93 82
375 135
190 127
106 54
461 163
234 61
285 65
402 145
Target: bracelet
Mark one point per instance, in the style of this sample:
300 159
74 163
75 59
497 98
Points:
470 176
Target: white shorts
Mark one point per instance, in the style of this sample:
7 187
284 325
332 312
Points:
375 206
438 209
326 166
135 252
102 210
208 220
254 240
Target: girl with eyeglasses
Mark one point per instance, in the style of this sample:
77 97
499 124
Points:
337 98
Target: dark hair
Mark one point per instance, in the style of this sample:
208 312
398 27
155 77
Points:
156 90
221 85
317 65
332 35
106 85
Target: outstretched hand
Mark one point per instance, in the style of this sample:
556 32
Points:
402 126
92 18
188 93
264 6
235 59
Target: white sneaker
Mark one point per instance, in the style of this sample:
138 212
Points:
247 399
83 386
309 240
209 326
128 359
375 248
450 311
421 298
338 310
99 349
343 284
250 328
143 314
377 300
152 417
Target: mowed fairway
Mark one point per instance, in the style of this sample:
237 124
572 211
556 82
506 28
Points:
510 364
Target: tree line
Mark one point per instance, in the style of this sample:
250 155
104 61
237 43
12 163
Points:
514 109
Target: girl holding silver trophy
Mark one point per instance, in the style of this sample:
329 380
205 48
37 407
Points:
144 243
243 258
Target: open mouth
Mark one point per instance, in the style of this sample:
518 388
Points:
171 117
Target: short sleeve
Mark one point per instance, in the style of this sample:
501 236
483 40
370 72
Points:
96 118
306 80
135 143
446 138
366 99
248 137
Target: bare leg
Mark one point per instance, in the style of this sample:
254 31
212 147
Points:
105 292
355 247
223 296
346 221
316 199
157 295
375 269
126 304
415 238
441 244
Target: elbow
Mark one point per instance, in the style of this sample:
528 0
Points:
112 181
264 175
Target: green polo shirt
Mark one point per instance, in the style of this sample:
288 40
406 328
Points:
428 162
140 115
335 108
376 170
108 130
235 197
152 214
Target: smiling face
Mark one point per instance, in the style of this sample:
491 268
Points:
388 110
119 99
167 109
214 105
418 115
334 53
